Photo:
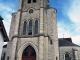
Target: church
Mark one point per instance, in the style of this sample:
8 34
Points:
34 36
3 35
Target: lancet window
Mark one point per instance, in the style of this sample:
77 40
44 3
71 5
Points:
24 27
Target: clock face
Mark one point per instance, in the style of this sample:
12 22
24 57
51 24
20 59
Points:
31 11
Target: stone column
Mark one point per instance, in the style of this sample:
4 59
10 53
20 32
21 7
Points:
46 48
41 17
20 5
41 44
56 50
13 48
14 41
75 53
17 22
41 20
55 37
45 22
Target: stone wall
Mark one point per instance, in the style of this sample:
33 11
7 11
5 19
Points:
69 50
1 43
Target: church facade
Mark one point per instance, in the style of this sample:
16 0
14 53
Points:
33 34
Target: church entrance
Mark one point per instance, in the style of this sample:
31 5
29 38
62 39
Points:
29 53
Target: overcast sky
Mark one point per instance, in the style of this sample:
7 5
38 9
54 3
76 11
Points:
68 16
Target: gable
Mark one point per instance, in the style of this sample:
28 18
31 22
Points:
2 29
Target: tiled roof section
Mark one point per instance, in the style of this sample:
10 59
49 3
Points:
68 39
2 29
65 42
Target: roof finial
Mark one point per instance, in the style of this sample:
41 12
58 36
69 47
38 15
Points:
63 35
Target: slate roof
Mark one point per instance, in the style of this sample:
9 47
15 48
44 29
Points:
66 42
2 29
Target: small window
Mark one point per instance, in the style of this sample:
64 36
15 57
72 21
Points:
30 28
29 1
24 27
36 27
67 57
34 1
8 58
31 11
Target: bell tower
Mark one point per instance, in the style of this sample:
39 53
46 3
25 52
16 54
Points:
36 4
33 32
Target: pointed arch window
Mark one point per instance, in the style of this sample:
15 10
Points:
67 57
36 27
29 1
30 28
24 27
34 1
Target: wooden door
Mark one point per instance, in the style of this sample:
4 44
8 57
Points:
29 53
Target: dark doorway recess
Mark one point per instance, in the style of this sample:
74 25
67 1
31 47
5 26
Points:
29 53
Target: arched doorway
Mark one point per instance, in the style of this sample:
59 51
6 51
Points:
67 57
29 53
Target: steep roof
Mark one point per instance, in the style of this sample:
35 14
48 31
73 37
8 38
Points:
66 42
2 29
